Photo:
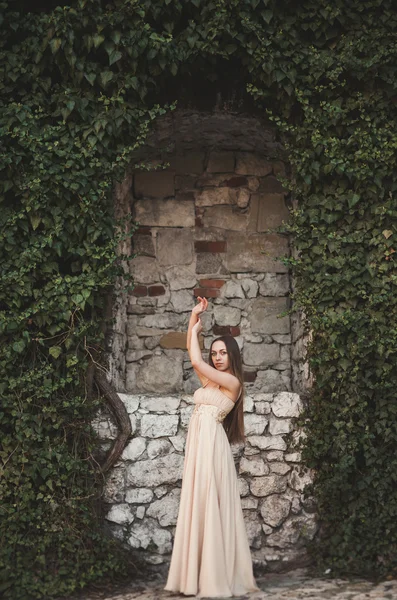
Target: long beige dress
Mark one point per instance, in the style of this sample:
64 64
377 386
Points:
211 555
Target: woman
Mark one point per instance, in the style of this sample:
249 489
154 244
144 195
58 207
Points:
211 555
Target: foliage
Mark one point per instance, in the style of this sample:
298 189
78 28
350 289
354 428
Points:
81 85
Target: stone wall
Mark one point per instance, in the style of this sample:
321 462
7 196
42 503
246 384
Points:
207 227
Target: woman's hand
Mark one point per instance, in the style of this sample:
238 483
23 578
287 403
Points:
197 328
201 306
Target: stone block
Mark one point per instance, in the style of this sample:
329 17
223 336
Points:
165 213
274 284
143 245
243 487
158 471
267 442
268 211
144 270
233 289
135 355
300 528
160 404
275 509
215 196
189 162
280 468
174 339
220 162
155 426
287 404
130 402
225 315
272 185
178 441
185 182
279 426
162 321
154 184
274 381
270 484
160 373
210 264
265 316
253 529
182 300
174 247
250 287
225 217
148 532
157 448
210 246
255 252
254 424
243 198
261 354
249 163
139 496
165 510
121 514
135 448
180 278
253 466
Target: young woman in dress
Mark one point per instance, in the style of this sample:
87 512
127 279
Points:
211 555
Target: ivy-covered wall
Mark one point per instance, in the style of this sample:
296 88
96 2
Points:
81 84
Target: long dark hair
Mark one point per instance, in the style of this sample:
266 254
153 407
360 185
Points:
234 422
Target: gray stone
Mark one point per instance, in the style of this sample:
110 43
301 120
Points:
249 503
243 198
275 509
191 384
144 269
174 247
248 404
114 485
294 457
254 424
274 381
160 491
139 496
250 287
188 162
279 426
166 509
299 479
282 339
161 404
215 196
160 374
158 471
243 487
163 321
232 289
140 512
270 484
143 245
224 315
225 217
182 301
210 264
155 426
154 184
249 163
261 354
268 211
268 442
185 414
255 252
253 466
220 162
262 408
280 468
136 355
274 284
274 455
147 532
135 448
130 402
158 448
180 278
149 332
178 441
265 316
120 513
292 530
165 213
287 404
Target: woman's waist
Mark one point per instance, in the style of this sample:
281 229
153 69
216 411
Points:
210 409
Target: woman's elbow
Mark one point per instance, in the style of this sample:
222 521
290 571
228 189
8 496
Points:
195 362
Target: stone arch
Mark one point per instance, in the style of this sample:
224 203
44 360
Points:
205 216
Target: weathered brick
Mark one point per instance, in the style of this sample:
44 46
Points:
226 330
206 292
198 222
212 283
143 231
213 247
139 290
249 376
156 290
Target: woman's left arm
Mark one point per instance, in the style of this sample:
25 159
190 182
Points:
225 380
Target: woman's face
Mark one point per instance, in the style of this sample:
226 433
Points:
220 356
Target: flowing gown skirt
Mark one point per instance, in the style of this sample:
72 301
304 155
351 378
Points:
211 555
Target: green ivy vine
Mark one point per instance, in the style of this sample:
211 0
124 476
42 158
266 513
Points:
82 83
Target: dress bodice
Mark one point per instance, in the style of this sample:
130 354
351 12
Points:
212 396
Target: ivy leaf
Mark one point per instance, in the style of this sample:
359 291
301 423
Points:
105 77
55 44
55 351
387 233
353 200
35 221
114 57
97 40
